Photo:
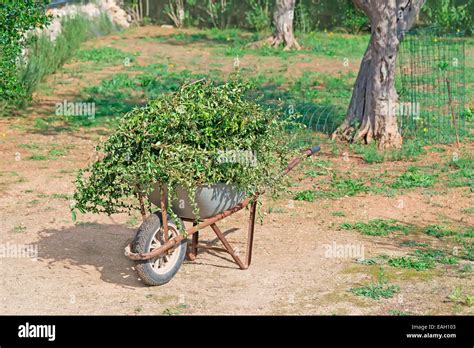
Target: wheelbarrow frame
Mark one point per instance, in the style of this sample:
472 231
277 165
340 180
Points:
169 243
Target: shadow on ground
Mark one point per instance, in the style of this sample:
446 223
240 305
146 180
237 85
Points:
98 245
102 247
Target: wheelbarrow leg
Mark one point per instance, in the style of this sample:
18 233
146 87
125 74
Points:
224 241
193 249
248 255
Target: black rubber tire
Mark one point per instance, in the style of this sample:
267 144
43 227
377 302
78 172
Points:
141 244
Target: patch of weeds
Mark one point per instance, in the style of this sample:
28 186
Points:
37 158
28 191
370 153
116 87
31 146
376 227
53 153
465 269
305 195
34 202
370 261
468 211
19 228
176 310
275 210
437 149
436 256
380 186
460 297
64 196
413 177
347 187
105 55
338 213
410 262
318 168
412 243
334 148
438 231
398 313
410 151
41 124
315 173
378 289
464 173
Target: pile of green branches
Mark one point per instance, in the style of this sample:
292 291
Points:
182 140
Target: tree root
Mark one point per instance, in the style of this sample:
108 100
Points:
275 42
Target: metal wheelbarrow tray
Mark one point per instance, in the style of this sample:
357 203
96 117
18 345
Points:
159 248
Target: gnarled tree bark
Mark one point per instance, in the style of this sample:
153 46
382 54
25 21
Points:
283 17
372 111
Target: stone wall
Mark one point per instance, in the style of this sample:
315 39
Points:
110 7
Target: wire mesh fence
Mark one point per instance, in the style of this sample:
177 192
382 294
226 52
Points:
431 86
316 121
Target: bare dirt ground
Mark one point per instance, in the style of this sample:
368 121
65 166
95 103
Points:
81 268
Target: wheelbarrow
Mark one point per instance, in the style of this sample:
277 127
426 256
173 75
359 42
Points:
159 248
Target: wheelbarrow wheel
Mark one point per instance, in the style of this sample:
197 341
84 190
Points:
150 235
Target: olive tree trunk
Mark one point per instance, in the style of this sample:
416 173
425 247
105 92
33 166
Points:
283 34
372 111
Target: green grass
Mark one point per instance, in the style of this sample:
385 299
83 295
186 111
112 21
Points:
105 56
45 57
461 172
460 297
410 151
338 213
438 231
234 42
19 229
377 289
343 187
414 177
370 153
176 310
315 173
306 195
30 146
411 262
376 227
120 93
37 158
369 261
63 196
436 256
53 153
437 149
420 260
